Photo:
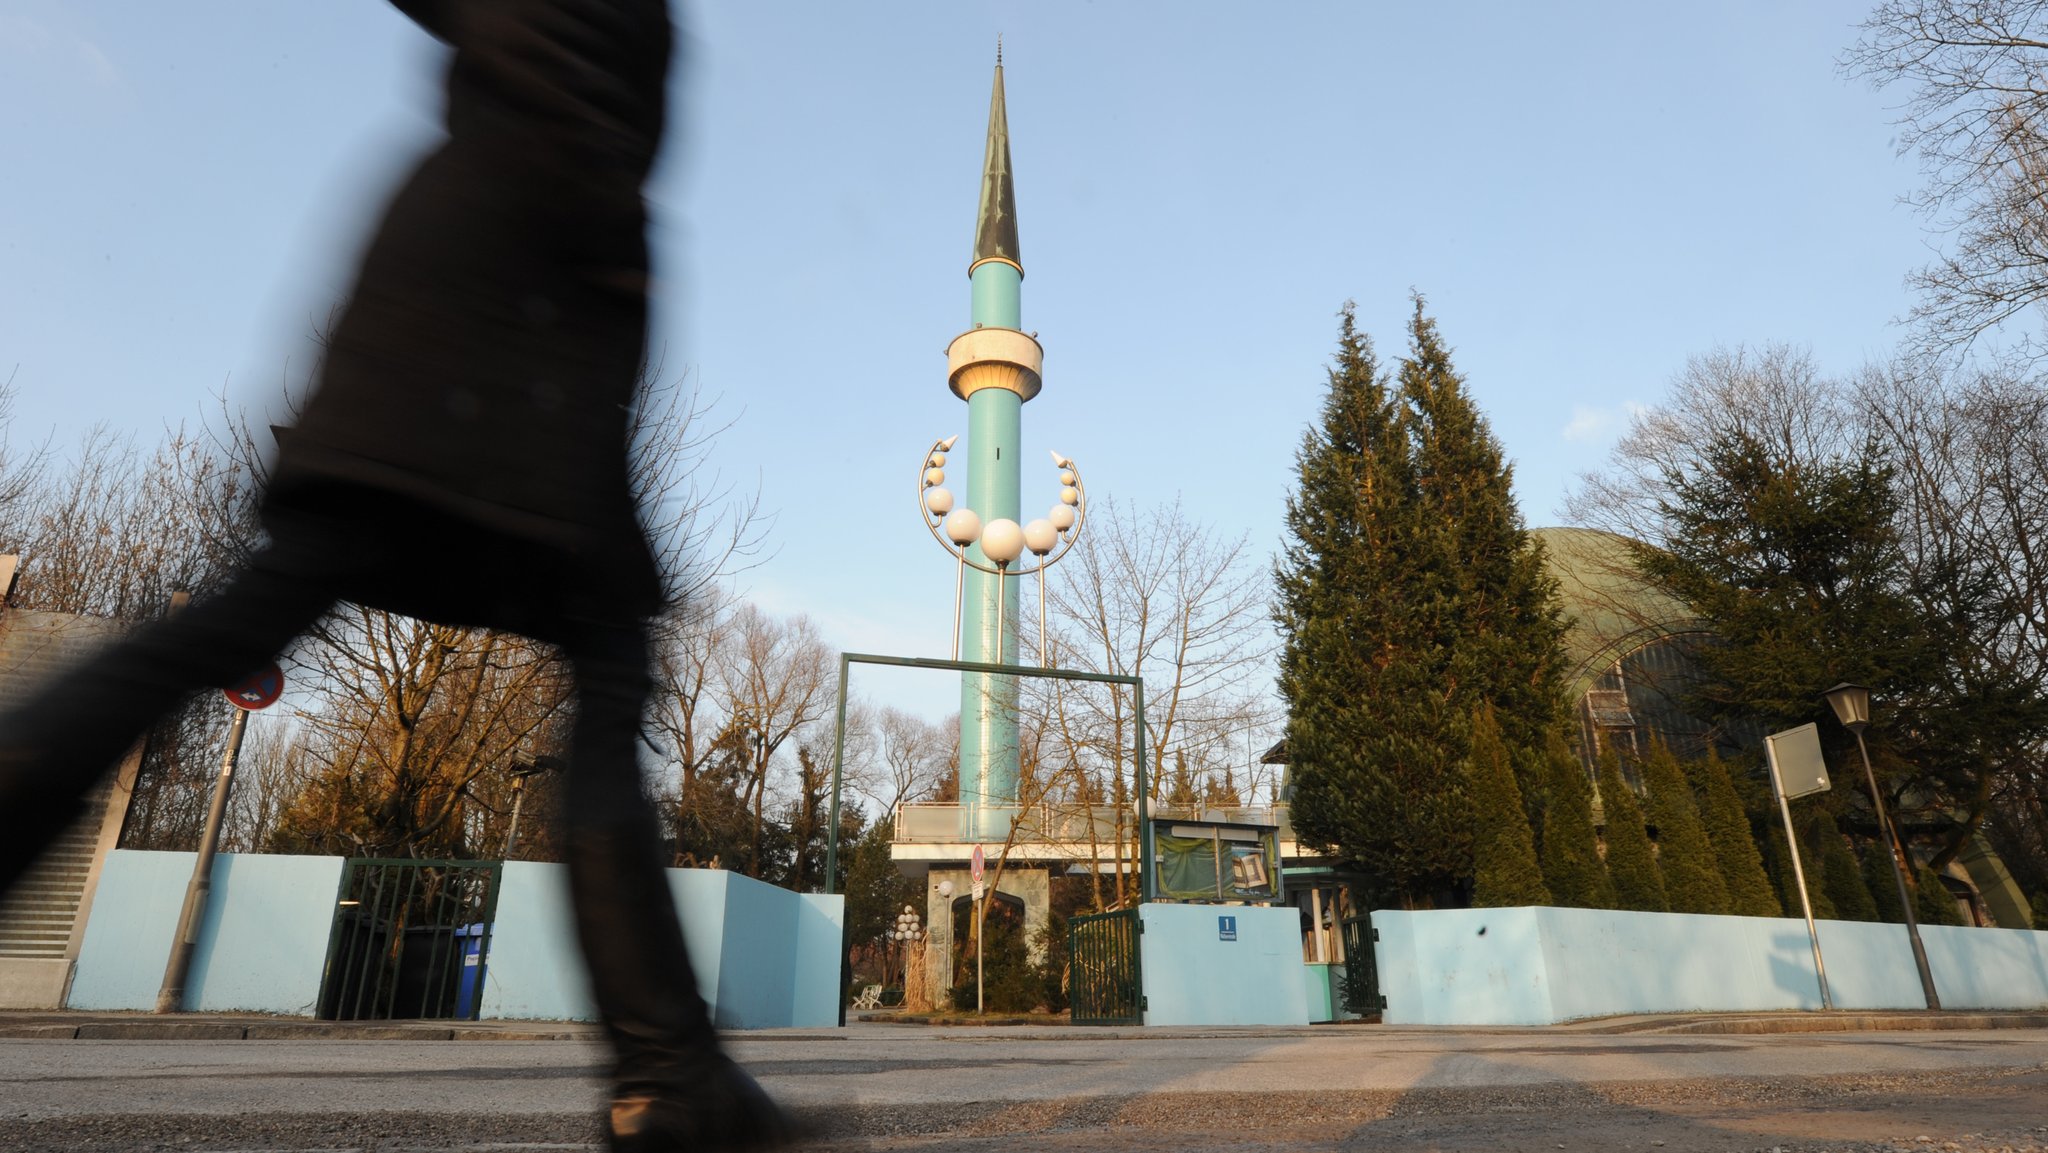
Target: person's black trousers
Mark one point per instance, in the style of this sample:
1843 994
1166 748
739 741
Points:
54 748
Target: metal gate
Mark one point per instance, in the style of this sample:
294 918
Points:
1105 985
410 939
1361 968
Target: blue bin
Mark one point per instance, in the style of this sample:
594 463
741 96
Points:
469 986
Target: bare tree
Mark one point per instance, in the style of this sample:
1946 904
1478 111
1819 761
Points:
1976 113
776 677
911 755
1774 394
1159 596
20 469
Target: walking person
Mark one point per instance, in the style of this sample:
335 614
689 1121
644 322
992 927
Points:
463 458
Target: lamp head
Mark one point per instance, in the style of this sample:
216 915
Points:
1851 703
1002 541
962 526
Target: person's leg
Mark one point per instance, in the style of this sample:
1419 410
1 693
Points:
674 1088
55 745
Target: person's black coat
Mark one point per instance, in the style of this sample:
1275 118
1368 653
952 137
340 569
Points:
480 378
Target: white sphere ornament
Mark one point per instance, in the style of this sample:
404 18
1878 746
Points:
937 460
1070 495
1062 517
962 526
1067 476
1002 541
934 476
938 501
1040 536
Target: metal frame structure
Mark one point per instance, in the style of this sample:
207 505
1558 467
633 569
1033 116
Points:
1137 684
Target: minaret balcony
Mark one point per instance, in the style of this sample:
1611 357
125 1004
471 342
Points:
994 358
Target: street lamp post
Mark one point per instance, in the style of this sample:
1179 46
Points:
520 774
1851 703
909 929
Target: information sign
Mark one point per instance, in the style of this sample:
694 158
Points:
1226 928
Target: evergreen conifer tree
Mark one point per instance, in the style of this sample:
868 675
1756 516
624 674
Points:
1844 875
1630 861
1409 593
1363 593
1934 905
1742 867
1506 641
1685 858
1504 868
1788 883
1572 868
1180 789
1884 888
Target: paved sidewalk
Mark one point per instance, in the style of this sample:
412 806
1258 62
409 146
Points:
1036 1090
30 1025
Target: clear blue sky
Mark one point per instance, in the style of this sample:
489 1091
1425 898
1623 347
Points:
1587 194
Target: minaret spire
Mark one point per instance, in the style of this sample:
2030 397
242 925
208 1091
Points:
995 227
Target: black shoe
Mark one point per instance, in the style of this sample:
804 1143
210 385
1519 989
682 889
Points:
722 1109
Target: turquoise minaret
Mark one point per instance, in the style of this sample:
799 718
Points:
994 366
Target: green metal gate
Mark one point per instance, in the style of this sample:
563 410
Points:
410 939
1361 968
1105 984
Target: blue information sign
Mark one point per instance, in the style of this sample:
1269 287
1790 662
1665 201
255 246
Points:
1226 928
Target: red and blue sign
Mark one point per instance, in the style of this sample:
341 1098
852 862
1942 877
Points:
259 691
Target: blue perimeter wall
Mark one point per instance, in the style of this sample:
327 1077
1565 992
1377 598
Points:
1538 966
1194 977
261 948
765 957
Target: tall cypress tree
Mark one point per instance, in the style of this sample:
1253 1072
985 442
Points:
1685 858
1504 868
1843 877
1375 748
1571 850
1408 594
1506 638
1742 867
1630 861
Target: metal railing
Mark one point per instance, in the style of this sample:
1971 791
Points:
1105 981
945 822
410 939
1361 987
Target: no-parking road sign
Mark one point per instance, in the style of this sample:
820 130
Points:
259 691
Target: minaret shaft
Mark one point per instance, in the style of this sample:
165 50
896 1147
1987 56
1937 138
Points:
989 751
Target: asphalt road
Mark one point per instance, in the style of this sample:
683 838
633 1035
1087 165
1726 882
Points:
886 1087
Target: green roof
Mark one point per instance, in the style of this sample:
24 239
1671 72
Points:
1611 610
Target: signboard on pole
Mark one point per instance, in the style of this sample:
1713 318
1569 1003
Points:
1797 768
259 691
1797 771
975 869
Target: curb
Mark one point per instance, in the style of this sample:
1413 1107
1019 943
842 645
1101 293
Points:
102 1029
1862 1023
